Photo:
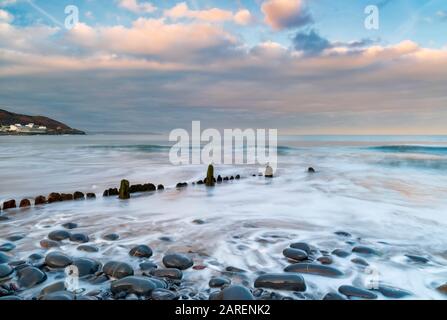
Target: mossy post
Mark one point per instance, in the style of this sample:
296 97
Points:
210 176
124 190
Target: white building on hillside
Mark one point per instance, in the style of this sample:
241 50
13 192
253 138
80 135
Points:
29 128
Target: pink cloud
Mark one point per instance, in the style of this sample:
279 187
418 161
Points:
137 6
282 14
181 10
151 37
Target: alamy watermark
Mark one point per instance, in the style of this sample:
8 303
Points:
233 146
72 278
372 20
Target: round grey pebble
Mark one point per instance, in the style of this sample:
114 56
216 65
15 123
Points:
57 260
141 251
59 235
178 261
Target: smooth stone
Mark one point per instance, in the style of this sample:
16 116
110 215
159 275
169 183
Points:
341 253
91 195
88 248
325 260
10 298
36 257
169 273
360 262
15 237
442 289
314 269
141 286
311 170
295 254
79 237
58 260
141 251
199 221
343 234
160 187
54 287
30 276
199 267
117 269
111 237
365 250
163 294
234 292
98 279
18 263
86 266
147 266
166 239
178 261
218 282
21 266
280 281
6 247
5 270
59 235
47 244
333 296
417 259
3 258
59 296
70 225
160 283
351 291
234 269
392 292
86 298
302 246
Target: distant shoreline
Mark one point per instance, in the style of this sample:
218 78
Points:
43 134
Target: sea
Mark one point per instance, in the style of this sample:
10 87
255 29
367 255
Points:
388 193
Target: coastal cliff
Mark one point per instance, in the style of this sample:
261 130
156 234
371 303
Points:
52 127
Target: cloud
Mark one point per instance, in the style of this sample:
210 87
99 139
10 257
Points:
137 6
243 17
310 42
216 15
199 69
286 14
442 14
5 16
153 38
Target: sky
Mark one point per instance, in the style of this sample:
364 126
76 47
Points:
300 66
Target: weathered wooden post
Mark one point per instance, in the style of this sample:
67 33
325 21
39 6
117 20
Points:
124 190
210 176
